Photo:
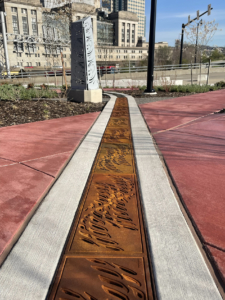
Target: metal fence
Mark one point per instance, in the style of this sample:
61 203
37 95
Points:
112 75
130 69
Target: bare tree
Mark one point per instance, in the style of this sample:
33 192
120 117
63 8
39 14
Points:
200 34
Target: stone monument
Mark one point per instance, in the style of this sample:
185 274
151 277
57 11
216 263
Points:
84 78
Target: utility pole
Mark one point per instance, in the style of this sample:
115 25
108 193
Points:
200 23
189 22
151 49
5 44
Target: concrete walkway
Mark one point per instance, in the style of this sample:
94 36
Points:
179 269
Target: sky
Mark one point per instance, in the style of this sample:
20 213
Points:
172 13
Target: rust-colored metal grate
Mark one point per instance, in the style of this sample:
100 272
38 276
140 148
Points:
106 255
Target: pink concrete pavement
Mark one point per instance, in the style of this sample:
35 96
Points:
195 155
31 156
166 114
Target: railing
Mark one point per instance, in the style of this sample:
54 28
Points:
29 73
132 69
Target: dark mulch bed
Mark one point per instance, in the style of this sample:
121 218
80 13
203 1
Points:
27 111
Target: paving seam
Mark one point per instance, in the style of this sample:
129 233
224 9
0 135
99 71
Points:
182 125
211 245
23 161
179 268
28 270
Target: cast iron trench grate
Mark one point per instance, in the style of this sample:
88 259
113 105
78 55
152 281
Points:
106 255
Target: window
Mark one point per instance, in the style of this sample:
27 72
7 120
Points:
19 54
13 9
64 55
123 32
125 51
18 47
38 64
25 25
15 24
77 18
65 64
33 12
99 56
140 51
34 26
23 11
133 33
128 33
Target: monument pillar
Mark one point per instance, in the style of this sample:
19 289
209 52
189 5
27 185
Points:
84 78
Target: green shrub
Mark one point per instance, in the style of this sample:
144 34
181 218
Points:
142 88
220 84
174 88
14 92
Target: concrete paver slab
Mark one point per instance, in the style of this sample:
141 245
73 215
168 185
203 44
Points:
33 155
49 164
44 138
197 166
195 156
30 266
179 268
163 115
21 190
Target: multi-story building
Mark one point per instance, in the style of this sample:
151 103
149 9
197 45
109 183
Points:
36 35
135 6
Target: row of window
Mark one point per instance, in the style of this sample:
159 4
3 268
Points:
23 11
38 64
118 51
15 24
118 56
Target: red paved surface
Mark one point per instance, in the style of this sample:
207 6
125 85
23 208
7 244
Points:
31 155
219 258
169 113
195 156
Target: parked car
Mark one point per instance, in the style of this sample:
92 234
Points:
108 70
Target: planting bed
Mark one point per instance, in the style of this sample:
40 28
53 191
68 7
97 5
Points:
27 111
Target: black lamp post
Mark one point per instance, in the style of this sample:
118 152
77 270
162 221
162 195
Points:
151 48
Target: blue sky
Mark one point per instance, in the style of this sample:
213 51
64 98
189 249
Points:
172 13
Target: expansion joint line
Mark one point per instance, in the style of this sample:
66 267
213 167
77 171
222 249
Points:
106 254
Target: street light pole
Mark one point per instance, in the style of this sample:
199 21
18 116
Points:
189 22
151 48
182 43
200 23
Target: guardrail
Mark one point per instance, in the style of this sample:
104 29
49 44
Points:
109 70
133 69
